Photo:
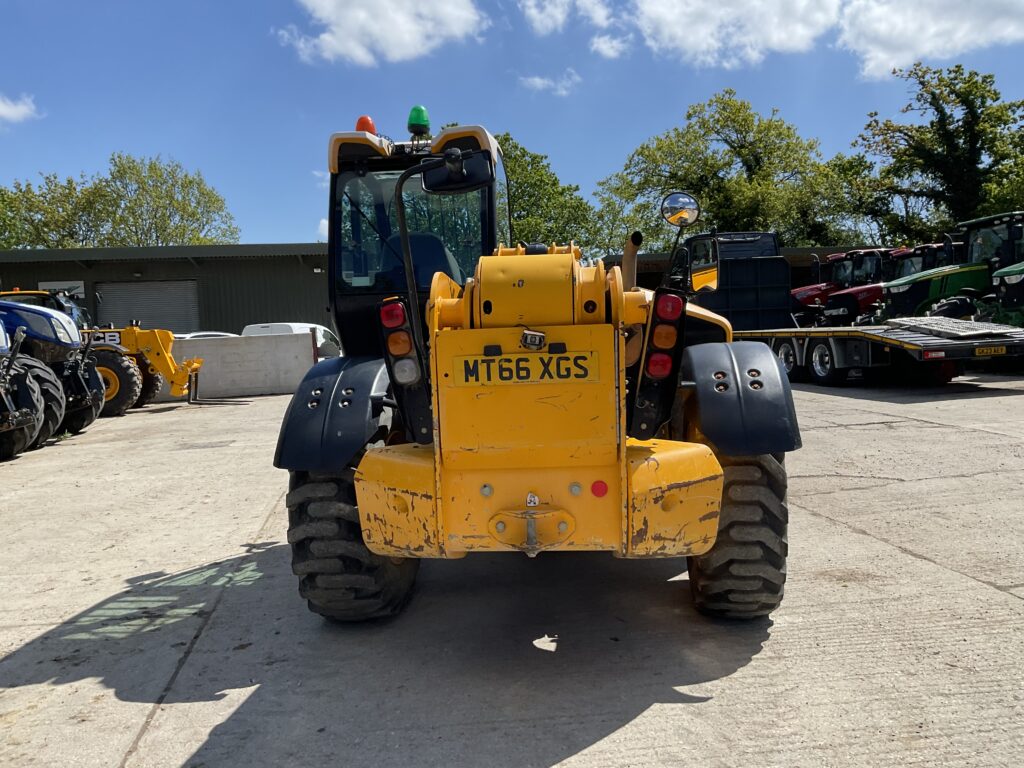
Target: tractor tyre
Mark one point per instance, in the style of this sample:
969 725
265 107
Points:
76 421
956 307
339 577
54 402
152 382
122 380
821 365
785 351
26 395
743 575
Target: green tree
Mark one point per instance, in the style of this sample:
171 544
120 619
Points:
955 155
138 202
542 209
158 202
750 172
54 213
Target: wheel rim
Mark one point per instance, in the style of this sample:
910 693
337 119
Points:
787 355
821 360
110 380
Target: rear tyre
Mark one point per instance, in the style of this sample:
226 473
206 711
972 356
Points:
122 381
25 394
338 576
77 421
152 382
821 365
53 399
744 574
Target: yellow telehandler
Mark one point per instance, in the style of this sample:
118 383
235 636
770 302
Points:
521 398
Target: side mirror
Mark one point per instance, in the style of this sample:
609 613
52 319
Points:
462 172
680 209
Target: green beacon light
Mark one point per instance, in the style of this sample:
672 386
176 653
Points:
419 121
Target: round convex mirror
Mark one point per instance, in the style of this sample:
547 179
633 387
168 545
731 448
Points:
680 209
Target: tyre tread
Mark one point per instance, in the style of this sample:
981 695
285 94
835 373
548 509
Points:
744 574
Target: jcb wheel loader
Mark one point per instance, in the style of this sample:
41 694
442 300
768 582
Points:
520 399
133 362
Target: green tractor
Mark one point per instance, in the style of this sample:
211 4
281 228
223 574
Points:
1002 301
981 249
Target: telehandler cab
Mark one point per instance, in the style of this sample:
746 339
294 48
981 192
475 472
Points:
520 398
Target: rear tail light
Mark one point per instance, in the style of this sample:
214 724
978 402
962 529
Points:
599 488
399 343
406 371
668 307
392 315
659 365
664 336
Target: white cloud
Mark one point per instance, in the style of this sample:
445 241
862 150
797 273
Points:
561 86
611 47
12 111
596 12
364 31
896 33
323 179
730 33
321 231
546 16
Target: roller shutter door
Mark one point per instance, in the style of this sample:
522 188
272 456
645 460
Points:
170 304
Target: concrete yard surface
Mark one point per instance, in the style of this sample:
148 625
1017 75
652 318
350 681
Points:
150 618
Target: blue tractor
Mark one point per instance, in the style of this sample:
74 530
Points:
53 354
21 403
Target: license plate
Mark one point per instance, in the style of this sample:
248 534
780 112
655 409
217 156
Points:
984 351
539 368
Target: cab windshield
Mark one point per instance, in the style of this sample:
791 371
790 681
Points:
909 266
842 271
987 244
446 232
868 268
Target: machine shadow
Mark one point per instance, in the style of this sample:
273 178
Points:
911 393
498 660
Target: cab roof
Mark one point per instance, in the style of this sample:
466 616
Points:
357 144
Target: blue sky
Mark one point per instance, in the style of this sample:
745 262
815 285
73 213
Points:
248 92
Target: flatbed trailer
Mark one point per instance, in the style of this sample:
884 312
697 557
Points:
935 348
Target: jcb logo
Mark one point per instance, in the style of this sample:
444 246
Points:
106 337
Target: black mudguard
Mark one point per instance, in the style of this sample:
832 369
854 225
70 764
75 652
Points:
741 398
332 414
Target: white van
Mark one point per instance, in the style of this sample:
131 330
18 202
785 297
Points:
327 343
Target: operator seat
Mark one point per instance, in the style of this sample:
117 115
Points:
429 255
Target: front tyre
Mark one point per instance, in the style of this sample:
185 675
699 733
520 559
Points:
338 576
122 381
744 573
76 421
25 394
54 402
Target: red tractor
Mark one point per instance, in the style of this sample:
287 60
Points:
870 269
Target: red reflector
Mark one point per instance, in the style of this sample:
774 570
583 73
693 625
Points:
599 488
669 307
365 123
934 355
392 315
659 365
